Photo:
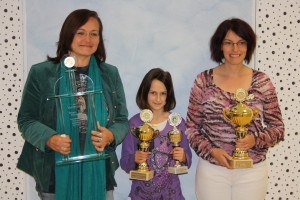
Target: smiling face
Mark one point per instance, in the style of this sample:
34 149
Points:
234 48
86 39
157 96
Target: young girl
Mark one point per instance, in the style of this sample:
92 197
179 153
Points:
157 94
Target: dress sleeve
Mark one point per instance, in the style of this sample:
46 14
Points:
185 144
273 130
195 133
129 147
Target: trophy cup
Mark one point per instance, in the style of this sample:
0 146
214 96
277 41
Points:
145 134
241 115
69 102
175 137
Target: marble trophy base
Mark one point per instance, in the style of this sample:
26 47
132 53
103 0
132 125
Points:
237 163
178 170
141 175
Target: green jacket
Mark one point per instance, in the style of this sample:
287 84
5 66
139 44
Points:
37 119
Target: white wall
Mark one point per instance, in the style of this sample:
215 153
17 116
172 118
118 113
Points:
140 35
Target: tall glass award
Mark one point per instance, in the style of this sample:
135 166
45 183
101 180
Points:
70 114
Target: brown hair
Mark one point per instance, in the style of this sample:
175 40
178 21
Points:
72 23
239 27
163 76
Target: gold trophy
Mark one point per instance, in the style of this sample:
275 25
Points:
145 134
175 137
241 115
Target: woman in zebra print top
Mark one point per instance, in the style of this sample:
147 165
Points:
213 137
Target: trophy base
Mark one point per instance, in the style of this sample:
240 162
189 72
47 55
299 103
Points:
142 176
82 158
178 170
241 163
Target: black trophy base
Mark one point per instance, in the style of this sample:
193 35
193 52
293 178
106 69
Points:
84 158
178 170
141 175
241 163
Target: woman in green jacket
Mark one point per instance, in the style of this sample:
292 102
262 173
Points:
39 123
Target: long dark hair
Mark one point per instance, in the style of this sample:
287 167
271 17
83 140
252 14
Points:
72 23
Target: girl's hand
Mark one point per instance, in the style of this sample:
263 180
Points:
179 154
221 157
141 156
101 138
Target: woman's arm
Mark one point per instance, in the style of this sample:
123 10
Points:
273 132
201 145
120 125
30 115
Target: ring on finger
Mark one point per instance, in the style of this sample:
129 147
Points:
63 148
100 134
99 139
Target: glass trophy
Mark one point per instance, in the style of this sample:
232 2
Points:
71 114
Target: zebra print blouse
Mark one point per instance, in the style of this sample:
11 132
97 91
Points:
207 128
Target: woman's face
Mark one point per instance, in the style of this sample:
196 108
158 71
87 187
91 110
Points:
86 39
157 96
234 48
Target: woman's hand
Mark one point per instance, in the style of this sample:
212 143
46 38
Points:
179 154
101 138
60 143
221 157
141 156
246 143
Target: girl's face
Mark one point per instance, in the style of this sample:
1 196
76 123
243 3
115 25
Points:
234 48
157 96
86 39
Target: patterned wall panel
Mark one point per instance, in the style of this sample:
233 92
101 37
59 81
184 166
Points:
11 76
277 27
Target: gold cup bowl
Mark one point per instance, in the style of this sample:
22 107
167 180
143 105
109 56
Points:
241 115
175 137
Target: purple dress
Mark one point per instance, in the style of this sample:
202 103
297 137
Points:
164 185
207 128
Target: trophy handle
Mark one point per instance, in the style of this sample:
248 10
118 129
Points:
226 114
133 131
155 134
256 112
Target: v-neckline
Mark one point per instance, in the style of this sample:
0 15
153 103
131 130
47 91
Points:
211 73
